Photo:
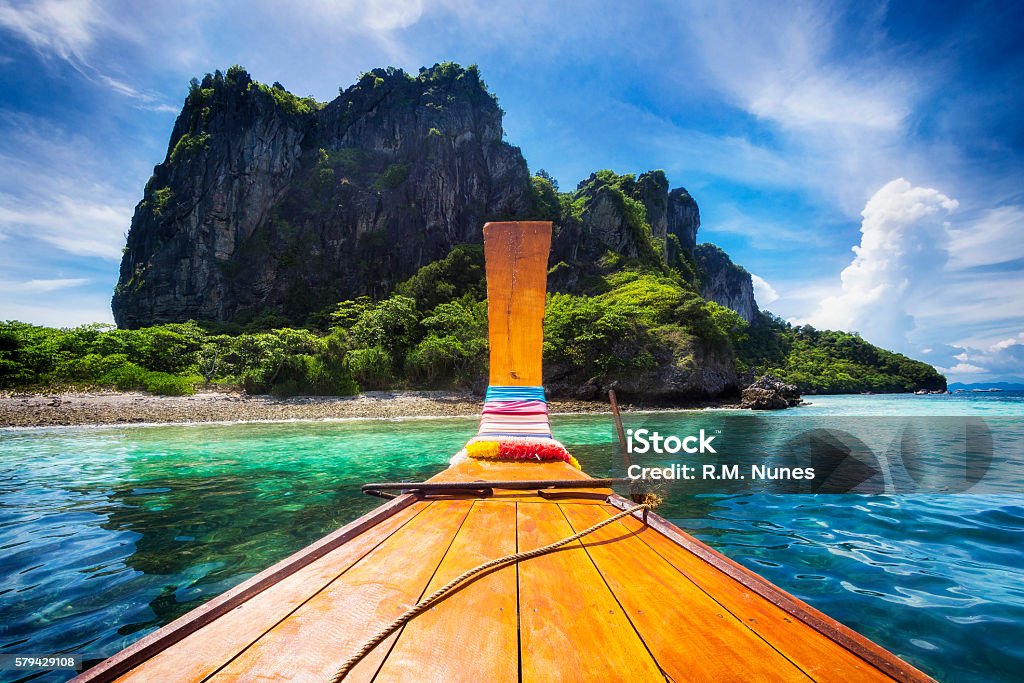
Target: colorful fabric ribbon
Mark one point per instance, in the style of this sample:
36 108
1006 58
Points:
514 426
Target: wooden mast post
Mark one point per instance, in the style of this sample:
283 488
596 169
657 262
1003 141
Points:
517 271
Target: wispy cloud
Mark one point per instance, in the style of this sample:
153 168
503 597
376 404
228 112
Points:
42 286
762 233
65 28
1002 359
77 224
995 237
69 30
779 66
55 190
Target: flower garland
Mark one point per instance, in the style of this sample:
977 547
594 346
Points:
520 449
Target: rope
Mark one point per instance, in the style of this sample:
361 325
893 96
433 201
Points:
434 597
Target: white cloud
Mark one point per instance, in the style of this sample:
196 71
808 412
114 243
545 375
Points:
996 237
57 312
388 15
778 65
915 277
42 286
54 189
904 237
962 369
764 293
1005 358
75 224
838 117
1007 343
71 30
66 28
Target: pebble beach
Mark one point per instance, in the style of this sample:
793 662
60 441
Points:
96 408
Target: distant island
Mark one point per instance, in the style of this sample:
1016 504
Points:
986 386
290 246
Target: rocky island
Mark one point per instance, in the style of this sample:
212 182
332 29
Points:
296 247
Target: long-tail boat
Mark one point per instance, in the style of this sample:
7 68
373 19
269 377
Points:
636 599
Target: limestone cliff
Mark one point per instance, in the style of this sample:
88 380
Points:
266 203
724 282
269 203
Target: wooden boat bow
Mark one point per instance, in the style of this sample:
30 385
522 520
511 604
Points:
638 599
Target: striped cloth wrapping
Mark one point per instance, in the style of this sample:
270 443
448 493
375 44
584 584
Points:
514 426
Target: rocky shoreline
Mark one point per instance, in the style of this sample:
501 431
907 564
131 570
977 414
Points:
113 408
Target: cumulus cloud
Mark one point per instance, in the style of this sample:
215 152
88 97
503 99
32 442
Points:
904 241
764 293
916 276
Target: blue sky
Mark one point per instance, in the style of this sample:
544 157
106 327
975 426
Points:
803 130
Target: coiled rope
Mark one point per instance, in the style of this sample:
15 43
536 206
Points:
427 602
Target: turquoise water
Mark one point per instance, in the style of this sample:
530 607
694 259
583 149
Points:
108 533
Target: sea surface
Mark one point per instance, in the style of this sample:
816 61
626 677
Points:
107 533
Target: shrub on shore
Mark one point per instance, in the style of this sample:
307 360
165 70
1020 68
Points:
432 333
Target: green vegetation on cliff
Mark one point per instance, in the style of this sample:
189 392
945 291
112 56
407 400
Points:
335 246
432 333
829 362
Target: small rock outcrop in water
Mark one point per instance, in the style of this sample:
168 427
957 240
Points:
770 393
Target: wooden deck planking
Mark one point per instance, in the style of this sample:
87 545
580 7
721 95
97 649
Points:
315 639
628 599
691 636
571 627
817 654
201 653
472 635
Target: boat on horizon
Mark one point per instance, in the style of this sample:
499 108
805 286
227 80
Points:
510 565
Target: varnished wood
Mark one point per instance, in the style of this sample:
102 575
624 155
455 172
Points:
823 647
311 642
163 638
517 263
470 469
202 652
571 626
631 602
478 623
704 640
